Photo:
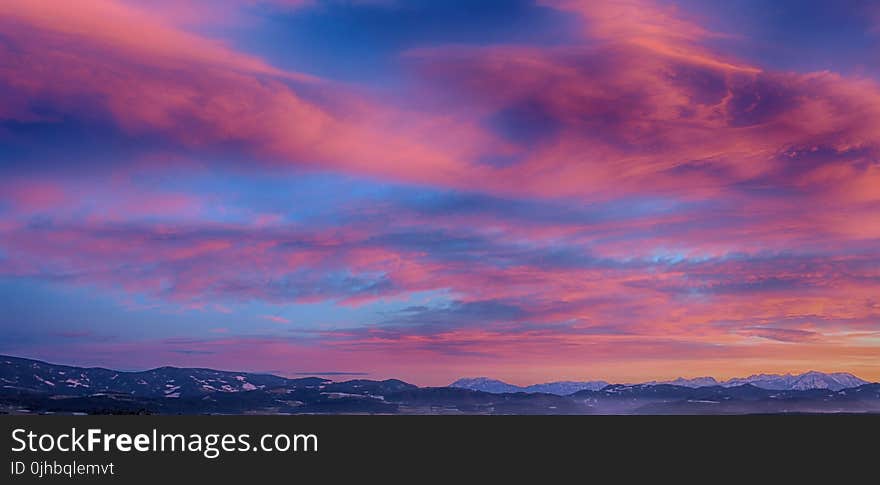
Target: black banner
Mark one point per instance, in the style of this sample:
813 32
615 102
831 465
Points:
239 449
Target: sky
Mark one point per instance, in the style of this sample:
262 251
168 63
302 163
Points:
531 190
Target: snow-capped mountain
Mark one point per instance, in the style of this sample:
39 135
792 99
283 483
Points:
166 382
808 380
560 388
564 388
695 382
485 384
787 382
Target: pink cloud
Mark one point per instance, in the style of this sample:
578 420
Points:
153 78
647 108
659 28
630 120
275 319
29 197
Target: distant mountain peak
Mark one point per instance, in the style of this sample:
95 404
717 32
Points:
808 380
813 379
485 384
692 382
495 386
464 380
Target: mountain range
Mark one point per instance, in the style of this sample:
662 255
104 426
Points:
787 382
560 388
31 386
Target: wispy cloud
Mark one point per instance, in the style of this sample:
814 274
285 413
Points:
275 319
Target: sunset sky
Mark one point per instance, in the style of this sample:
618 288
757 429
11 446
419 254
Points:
531 190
